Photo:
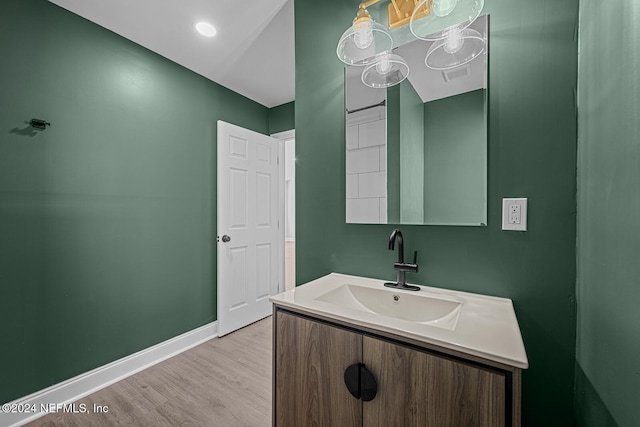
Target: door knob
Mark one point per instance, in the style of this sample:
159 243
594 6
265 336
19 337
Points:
226 238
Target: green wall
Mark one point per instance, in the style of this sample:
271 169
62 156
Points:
608 291
455 158
405 155
393 154
282 118
532 153
107 218
411 155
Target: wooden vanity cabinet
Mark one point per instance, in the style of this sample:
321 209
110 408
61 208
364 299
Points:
309 363
415 386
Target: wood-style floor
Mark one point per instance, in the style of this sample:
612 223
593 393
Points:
224 382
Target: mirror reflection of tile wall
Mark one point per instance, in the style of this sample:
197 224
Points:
366 166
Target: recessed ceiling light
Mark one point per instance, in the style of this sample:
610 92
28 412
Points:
206 29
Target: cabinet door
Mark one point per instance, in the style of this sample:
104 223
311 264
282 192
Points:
420 389
310 359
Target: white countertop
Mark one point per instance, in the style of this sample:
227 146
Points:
486 326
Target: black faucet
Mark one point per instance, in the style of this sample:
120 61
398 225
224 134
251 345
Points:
401 267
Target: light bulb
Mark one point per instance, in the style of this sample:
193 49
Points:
454 40
444 7
363 36
383 66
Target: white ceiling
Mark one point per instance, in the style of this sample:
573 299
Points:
252 54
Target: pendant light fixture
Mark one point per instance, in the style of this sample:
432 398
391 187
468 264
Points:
386 70
459 47
369 44
363 40
444 14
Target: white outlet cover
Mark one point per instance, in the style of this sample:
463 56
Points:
506 203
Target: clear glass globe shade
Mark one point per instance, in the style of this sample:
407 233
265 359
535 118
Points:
443 7
445 14
443 55
387 70
359 46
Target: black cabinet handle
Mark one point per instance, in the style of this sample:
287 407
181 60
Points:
352 380
368 385
360 382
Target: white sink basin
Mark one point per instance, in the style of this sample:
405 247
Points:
474 324
413 307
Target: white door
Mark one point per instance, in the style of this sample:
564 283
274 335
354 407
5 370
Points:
248 237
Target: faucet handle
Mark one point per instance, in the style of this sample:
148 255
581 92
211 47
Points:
415 257
403 266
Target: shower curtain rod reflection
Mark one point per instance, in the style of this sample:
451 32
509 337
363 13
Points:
380 104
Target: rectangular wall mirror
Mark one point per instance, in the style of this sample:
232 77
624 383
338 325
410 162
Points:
416 152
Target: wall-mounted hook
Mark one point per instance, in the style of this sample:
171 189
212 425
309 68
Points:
39 124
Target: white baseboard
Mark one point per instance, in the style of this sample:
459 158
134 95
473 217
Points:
84 384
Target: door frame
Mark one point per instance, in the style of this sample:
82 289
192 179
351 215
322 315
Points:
282 137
